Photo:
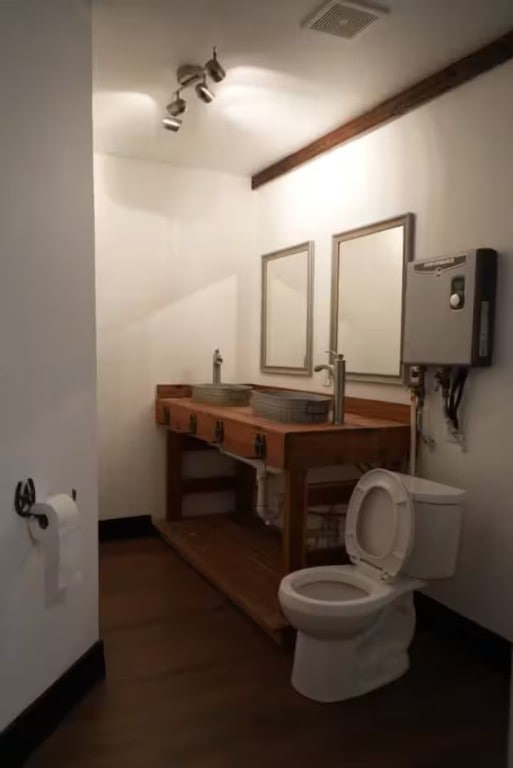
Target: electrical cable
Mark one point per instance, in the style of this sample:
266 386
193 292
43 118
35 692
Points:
457 394
452 398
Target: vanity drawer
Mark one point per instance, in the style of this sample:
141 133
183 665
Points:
233 436
188 421
179 419
245 440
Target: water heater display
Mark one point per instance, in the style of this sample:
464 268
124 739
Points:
450 307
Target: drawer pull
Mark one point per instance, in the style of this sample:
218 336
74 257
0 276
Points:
219 432
260 446
193 424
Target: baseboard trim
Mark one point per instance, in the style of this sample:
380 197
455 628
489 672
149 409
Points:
126 528
42 717
472 638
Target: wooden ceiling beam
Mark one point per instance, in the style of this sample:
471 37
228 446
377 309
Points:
462 71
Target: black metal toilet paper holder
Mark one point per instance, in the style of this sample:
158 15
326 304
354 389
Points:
25 499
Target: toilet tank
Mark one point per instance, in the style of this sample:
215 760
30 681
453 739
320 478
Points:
438 511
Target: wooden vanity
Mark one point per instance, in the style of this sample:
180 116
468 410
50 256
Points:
241 558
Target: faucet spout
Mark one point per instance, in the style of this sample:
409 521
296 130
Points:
337 376
323 368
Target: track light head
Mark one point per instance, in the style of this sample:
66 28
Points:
189 74
172 123
214 68
204 93
177 106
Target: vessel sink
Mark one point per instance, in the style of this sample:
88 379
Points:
291 407
221 394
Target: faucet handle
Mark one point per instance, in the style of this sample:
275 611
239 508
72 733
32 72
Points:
334 355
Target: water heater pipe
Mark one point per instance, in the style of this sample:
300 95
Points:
412 466
417 386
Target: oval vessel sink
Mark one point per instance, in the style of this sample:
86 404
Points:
291 407
221 394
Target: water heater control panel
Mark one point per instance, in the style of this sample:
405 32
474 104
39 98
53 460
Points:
450 310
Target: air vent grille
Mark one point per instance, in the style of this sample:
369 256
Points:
344 19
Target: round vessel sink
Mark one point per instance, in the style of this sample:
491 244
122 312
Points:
291 407
221 394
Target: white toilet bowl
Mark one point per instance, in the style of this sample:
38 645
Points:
355 622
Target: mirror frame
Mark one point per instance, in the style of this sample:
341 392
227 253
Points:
307 369
407 221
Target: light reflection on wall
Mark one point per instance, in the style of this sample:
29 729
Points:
254 98
121 111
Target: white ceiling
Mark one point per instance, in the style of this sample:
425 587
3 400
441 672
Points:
285 85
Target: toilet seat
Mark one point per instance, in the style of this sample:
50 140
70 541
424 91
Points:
380 523
376 593
379 538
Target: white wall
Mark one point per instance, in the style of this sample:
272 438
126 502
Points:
47 335
451 164
172 245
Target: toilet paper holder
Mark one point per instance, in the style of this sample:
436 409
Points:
25 498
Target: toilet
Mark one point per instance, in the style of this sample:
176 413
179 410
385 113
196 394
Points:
355 622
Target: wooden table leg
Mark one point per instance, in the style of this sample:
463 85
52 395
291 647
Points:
174 475
294 521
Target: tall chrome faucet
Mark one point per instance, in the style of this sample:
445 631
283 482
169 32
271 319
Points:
336 369
216 367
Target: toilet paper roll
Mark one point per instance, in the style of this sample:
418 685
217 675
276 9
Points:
60 543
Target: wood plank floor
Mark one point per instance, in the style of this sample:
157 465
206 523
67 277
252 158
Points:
193 683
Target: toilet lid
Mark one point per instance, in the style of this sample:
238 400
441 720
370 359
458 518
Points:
380 522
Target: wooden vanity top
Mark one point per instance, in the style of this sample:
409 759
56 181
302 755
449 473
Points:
245 415
373 431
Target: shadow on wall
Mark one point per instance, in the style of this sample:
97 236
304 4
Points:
164 233
173 345
132 467
158 187
172 246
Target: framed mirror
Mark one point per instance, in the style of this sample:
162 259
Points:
287 308
367 297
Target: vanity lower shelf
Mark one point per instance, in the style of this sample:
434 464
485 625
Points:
243 561
242 558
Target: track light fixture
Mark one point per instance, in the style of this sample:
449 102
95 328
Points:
214 68
172 123
177 106
193 75
204 93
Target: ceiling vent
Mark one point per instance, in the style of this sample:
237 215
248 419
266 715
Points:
344 18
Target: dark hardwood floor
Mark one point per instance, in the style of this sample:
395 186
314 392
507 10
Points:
191 682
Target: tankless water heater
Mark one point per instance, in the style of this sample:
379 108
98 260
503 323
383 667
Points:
450 310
